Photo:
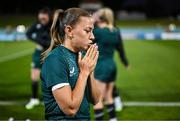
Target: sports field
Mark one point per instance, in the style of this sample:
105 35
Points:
150 90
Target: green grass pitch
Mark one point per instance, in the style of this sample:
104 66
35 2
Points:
154 76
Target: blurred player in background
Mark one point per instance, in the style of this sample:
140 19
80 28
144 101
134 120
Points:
39 33
108 40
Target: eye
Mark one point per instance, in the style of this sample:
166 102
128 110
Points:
87 31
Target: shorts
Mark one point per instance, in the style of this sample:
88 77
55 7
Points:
105 70
36 59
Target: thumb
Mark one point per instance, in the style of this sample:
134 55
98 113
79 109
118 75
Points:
79 56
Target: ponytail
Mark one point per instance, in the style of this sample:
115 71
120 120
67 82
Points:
56 30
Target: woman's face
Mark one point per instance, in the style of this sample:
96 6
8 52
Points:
43 18
83 34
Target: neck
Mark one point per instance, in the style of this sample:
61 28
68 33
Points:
69 46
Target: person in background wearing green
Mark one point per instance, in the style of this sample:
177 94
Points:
39 33
108 40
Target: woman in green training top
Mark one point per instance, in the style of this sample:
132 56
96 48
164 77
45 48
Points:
68 84
108 40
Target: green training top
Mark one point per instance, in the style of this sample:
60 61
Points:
107 42
61 68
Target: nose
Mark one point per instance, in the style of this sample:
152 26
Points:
92 37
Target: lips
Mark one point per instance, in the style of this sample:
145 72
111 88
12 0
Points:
90 44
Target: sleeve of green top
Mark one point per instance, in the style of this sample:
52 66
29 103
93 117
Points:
56 71
120 49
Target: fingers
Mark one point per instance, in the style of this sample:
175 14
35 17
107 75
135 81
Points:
96 56
90 59
92 51
92 55
79 57
88 51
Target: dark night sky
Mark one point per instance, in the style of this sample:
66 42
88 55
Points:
152 8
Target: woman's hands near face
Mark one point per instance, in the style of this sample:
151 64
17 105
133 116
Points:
88 63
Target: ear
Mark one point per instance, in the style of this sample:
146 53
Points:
68 30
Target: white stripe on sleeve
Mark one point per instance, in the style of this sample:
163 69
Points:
57 86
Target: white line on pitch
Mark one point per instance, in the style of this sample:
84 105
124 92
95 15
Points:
128 104
15 55
151 104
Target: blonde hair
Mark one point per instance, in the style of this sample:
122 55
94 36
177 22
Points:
106 15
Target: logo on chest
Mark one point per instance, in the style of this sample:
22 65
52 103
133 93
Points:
72 72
